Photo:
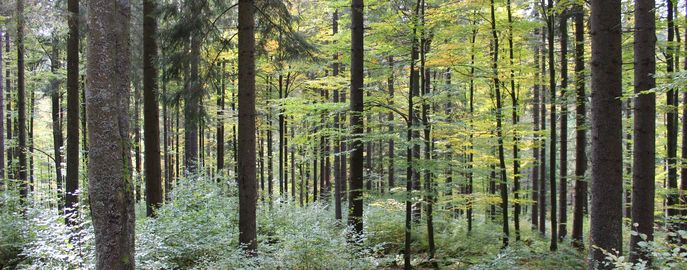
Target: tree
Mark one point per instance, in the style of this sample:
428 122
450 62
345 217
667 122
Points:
151 114
246 136
671 126
2 113
110 184
499 127
536 89
25 187
514 119
563 183
355 214
552 152
580 132
56 122
643 175
607 176
72 181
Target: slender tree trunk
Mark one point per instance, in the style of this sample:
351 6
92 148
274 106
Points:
542 149
426 89
644 135
151 114
627 153
515 119
192 109
137 140
337 123
671 126
2 120
503 186
56 124
580 132
471 139
281 137
355 215
563 185
270 150
607 175
25 187
410 148
246 136
109 180
390 119
552 153
220 123
536 88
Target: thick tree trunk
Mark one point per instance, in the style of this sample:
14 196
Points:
109 180
607 175
355 215
580 132
410 147
151 113
644 135
246 136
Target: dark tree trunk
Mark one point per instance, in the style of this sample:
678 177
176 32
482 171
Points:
337 123
270 150
580 132
246 136
471 139
390 120
2 118
355 215
671 126
281 138
515 119
137 140
73 104
552 152
410 147
607 175
644 135
563 185
192 109
220 122
426 89
25 188
151 114
542 149
503 186
56 124
109 180
536 88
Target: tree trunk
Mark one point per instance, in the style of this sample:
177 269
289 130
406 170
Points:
503 186
192 109
542 149
580 132
220 122
151 114
390 120
410 147
137 140
246 136
671 126
515 119
56 124
471 146
337 123
2 119
644 135
110 183
21 106
563 185
355 215
536 88
607 175
552 153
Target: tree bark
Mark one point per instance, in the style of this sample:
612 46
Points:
110 183
503 186
672 127
355 215
56 124
337 123
72 181
151 113
552 152
580 133
246 136
25 186
515 119
542 149
607 175
536 88
563 184
644 134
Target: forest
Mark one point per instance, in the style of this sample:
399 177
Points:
343 134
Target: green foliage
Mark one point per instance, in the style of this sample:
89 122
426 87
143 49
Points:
12 235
